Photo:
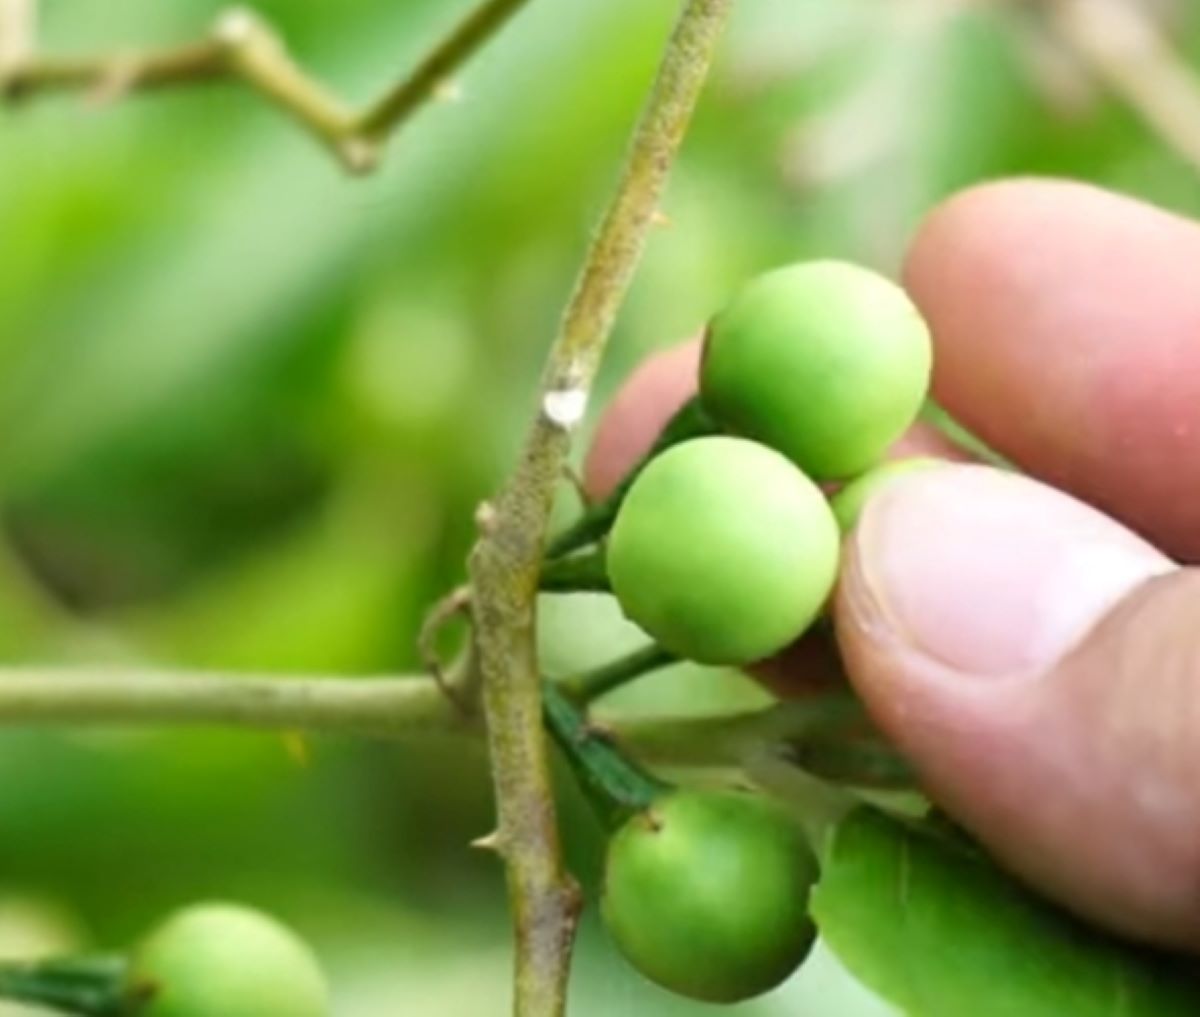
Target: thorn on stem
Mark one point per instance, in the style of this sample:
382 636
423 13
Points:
359 155
490 842
486 518
448 90
238 27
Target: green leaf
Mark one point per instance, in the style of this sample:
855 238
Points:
937 929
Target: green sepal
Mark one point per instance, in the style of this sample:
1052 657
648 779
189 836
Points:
616 787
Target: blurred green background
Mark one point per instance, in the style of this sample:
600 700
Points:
247 406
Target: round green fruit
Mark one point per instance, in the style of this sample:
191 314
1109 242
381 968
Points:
707 892
850 501
222 960
825 361
723 551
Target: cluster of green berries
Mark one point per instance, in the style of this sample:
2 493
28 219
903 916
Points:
725 549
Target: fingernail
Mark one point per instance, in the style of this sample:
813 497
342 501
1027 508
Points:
992 573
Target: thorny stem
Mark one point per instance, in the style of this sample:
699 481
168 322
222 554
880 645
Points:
506 563
243 46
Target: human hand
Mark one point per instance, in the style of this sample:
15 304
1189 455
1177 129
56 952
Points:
1036 660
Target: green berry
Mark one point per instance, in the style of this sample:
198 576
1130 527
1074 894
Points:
707 893
222 960
825 361
723 551
849 502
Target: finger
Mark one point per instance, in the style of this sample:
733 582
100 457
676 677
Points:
1067 331
1039 664
643 405
653 393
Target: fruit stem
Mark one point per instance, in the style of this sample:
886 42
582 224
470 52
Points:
616 787
868 763
589 685
690 421
89 986
577 573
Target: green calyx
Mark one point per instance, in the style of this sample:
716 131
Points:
825 361
706 893
616 786
723 551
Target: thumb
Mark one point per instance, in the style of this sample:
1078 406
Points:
1040 666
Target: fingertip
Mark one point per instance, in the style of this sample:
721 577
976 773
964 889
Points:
1035 662
643 405
1064 320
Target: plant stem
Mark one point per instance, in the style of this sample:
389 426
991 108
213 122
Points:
616 787
690 421
583 688
436 67
506 563
729 739
88 986
18 34
577 573
371 707
868 763
254 52
823 734
243 46
1127 52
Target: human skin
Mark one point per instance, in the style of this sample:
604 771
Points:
1032 643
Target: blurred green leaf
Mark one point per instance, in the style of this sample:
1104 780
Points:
941 932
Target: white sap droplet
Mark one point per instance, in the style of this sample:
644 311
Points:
565 407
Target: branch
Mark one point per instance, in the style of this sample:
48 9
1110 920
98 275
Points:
591 685
244 47
811 732
1129 53
437 67
371 707
18 33
506 562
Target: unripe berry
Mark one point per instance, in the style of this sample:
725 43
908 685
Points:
723 551
706 894
825 361
222 960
